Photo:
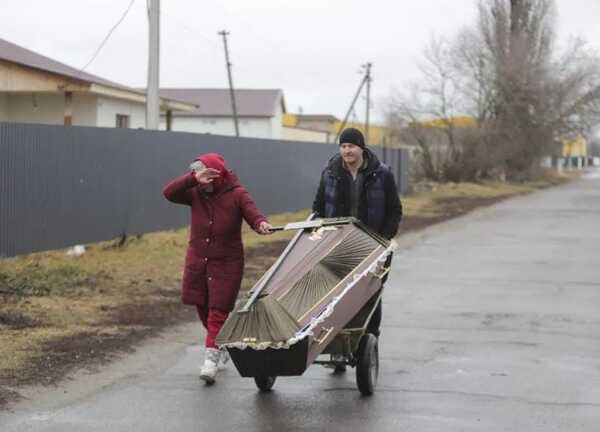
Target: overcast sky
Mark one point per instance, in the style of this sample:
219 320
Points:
312 49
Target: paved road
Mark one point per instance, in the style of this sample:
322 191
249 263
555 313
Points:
492 323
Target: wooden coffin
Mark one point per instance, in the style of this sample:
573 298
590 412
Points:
323 281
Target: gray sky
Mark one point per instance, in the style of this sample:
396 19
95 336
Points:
312 49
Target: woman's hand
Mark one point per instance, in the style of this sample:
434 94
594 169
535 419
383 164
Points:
206 176
264 228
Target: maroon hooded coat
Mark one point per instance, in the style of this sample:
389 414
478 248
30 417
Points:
214 262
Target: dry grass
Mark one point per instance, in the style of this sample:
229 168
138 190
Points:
428 203
50 295
442 201
49 298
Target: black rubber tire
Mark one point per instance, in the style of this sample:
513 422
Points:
265 383
367 366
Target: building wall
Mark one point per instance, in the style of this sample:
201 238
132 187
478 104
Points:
17 78
43 108
576 147
88 109
108 108
297 134
277 122
250 127
3 112
84 109
47 108
325 125
289 120
31 96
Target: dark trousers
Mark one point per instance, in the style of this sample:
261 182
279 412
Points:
375 322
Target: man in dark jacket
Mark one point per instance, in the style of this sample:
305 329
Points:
355 183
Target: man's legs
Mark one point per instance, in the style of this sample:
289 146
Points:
375 322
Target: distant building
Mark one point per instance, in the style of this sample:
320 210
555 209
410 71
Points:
37 89
325 128
317 127
302 134
319 122
259 112
574 151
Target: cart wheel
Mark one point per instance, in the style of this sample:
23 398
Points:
265 383
367 366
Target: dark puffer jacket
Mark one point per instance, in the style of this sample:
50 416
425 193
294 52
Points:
379 205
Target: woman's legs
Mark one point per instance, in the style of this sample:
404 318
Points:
203 315
215 321
212 320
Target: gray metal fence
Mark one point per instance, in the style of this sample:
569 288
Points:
61 186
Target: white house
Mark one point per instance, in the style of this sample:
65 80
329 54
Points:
259 111
38 89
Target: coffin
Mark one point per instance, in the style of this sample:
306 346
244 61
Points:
328 273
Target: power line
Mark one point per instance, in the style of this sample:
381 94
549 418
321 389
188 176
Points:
194 32
215 50
114 27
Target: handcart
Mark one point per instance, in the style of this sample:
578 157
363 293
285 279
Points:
313 306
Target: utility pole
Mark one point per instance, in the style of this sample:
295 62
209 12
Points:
224 33
152 97
347 116
368 81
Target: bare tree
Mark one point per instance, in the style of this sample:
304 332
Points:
518 39
595 146
504 73
573 91
438 97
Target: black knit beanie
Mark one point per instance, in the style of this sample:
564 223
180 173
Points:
353 136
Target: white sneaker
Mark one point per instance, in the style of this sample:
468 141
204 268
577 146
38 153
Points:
223 360
209 369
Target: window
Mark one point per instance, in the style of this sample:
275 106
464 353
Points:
122 121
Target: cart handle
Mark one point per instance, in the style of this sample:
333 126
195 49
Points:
309 223
312 223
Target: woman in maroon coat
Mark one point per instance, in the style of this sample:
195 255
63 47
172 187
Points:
214 262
